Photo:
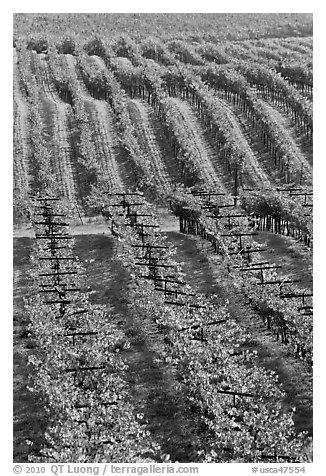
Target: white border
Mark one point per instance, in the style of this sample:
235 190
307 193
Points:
319 185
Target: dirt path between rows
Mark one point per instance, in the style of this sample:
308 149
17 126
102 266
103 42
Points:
140 115
294 257
96 226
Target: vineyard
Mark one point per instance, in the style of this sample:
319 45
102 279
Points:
163 236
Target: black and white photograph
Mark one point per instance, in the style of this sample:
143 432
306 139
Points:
162 242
